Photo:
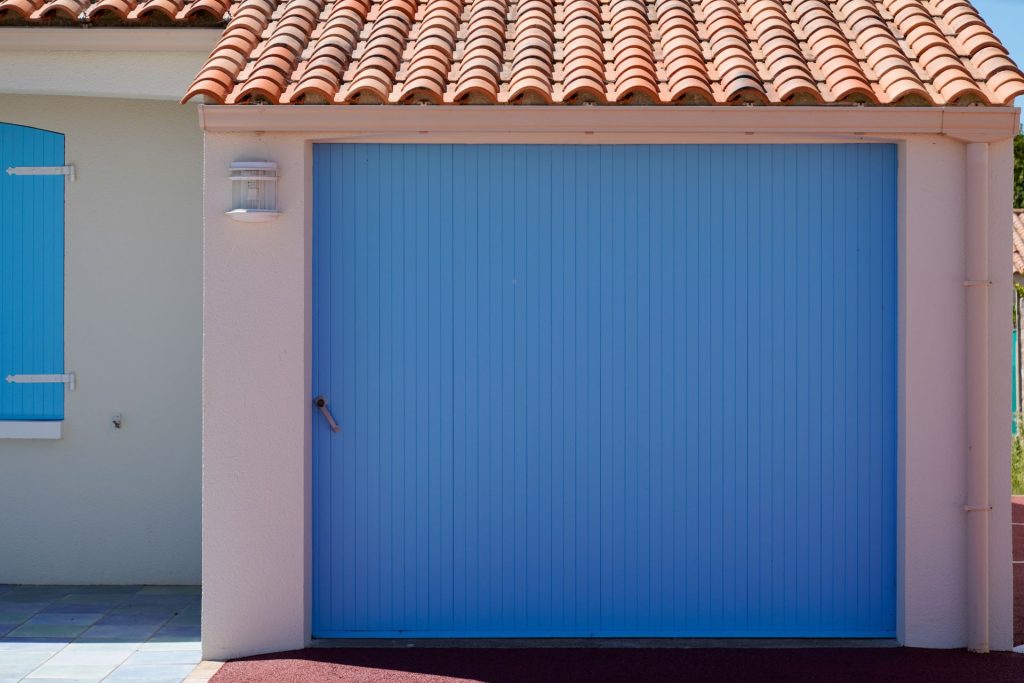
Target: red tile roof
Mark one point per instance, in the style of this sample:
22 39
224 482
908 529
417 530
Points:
1018 241
114 12
923 52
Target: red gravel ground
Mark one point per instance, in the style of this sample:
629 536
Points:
582 665
1018 570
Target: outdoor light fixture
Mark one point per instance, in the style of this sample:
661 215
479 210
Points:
253 191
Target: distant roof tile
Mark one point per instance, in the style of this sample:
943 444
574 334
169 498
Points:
1018 241
924 52
114 12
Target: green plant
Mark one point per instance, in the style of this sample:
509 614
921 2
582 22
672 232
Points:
1017 459
1018 171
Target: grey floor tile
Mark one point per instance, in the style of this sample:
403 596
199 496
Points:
93 672
144 657
170 644
59 641
24 610
191 631
57 618
87 657
19 646
144 609
29 630
150 672
139 631
73 608
171 590
13 665
148 618
108 599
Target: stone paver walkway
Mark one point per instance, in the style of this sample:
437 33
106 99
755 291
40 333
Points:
88 634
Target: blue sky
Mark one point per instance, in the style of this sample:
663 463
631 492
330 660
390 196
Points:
1006 17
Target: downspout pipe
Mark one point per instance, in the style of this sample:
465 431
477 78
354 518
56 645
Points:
978 507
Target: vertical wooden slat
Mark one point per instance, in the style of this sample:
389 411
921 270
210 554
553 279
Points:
605 390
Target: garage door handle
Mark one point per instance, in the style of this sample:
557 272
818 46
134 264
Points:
321 403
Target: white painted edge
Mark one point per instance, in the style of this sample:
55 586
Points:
82 39
30 429
972 124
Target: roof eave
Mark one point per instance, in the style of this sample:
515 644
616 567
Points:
970 124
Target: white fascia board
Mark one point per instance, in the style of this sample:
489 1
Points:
87 39
975 124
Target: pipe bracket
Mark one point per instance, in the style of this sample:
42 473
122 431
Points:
974 508
977 283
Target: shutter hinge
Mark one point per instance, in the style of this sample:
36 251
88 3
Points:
68 171
68 378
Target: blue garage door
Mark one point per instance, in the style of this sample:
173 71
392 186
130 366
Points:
604 390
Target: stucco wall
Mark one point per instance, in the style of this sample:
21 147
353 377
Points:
257 287
103 505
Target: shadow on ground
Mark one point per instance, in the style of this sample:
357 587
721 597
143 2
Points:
579 665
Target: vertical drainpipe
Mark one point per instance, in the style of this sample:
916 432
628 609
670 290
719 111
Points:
977 507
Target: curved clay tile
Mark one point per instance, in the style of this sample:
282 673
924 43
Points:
717 51
832 52
230 55
23 8
119 8
214 8
431 51
479 70
279 51
168 8
583 67
731 52
680 44
783 57
533 48
70 9
896 75
330 52
926 41
387 33
632 51
1006 85
987 53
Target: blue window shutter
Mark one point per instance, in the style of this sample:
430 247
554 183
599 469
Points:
31 274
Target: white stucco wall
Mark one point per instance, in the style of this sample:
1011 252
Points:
131 63
933 441
103 505
256 450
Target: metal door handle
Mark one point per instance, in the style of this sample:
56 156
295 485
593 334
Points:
321 403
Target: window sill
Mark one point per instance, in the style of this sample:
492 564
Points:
30 429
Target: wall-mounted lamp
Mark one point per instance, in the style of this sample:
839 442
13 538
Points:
253 191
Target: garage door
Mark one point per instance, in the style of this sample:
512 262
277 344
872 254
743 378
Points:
604 390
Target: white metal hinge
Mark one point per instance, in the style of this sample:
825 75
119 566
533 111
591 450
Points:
68 379
68 171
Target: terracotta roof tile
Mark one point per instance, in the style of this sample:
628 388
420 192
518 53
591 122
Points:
1018 241
115 12
921 52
